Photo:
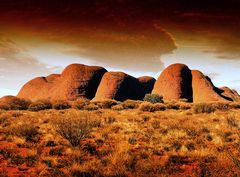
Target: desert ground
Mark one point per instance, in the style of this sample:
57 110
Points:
117 139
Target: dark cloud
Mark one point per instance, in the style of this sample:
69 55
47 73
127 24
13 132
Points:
116 31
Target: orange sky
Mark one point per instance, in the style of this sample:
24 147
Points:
138 37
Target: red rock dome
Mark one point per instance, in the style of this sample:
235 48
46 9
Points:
118 86
174 83
76 80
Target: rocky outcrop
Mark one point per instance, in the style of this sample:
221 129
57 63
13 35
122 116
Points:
146 84
118 86
174 83
93 82
76 80
229 94
203 88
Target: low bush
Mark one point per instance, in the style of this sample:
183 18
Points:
14 103
75 127
131 104
80 103
203 108
150 107
221 106
106 104
185 106
147 107
232 121
118 107
173 105
60 105
91 107
234 105
4 106
153 98
159 107
27 131
40 105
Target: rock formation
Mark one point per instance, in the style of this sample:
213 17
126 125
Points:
147 84
93 82
118 86
174 83
229 94
75 81
203 88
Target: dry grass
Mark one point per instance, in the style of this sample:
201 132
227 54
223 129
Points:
131 139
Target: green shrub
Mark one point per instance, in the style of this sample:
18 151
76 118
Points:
40 105
153 98
59 105
203 108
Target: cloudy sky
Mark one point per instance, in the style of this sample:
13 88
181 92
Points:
139 37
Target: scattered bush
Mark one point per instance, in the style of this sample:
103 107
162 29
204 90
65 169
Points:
109 120
4 106
27 131
14 103
173 105
131 104
56 151
156 124
106 104
185 106
234 105
221 106
80 103
159 107
232 121
153 98
40 105
60 105
118 107
203 108
91 107
132 141
147 107
75 127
